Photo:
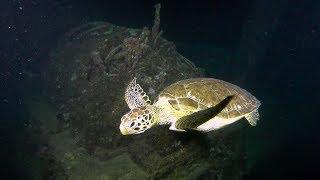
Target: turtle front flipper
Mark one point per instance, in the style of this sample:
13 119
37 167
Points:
135 96
195 119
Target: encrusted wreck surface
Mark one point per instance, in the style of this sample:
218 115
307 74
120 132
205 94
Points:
86 79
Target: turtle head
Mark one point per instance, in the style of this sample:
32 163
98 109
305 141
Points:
137 120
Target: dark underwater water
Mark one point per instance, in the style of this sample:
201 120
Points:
268 47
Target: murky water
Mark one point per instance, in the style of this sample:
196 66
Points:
65 67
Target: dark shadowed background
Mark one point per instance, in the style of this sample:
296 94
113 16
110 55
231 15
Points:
269 47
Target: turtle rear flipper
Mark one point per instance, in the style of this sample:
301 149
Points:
135 96
197 118
253 117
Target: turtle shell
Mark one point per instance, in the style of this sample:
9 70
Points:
196 94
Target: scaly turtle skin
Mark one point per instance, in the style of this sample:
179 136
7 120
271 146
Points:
181 102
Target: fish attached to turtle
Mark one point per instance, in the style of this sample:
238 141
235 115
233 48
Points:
201 104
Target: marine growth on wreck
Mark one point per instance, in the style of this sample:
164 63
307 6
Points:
89 70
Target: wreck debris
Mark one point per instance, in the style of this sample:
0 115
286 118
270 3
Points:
112 53
156 33
97 61
103 58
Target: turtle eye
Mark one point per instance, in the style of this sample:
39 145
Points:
132 124
136 128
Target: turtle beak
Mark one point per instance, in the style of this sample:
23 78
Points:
124 130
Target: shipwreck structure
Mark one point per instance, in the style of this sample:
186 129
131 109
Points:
86 80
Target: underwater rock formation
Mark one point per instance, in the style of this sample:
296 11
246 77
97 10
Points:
86 80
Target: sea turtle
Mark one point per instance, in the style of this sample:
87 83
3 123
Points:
201 104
